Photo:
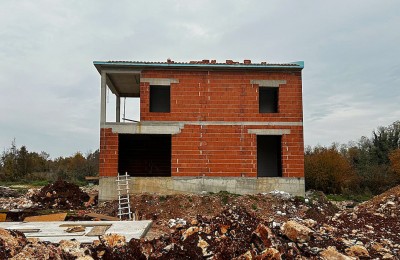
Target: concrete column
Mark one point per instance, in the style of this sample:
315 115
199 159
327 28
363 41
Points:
103 99
118 108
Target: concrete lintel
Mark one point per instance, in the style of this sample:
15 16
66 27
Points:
268 83
159 81
269 131
139 128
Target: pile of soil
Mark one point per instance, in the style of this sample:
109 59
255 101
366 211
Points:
7 192
61 195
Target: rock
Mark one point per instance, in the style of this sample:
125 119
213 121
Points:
388 256
11 243
357 251
113 240
309 222
270 253
296 232
379 248
224 228
194 222
332 254
261 237
72 247
188 232
203 245
246 256
178 223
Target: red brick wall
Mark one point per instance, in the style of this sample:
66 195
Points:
223 96
231 151
108 163
219 150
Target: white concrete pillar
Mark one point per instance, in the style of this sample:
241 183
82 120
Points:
103 99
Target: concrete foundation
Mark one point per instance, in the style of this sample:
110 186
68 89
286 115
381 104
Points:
171 185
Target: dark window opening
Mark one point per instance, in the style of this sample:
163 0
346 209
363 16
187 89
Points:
145 155
269 162
160 99
268 100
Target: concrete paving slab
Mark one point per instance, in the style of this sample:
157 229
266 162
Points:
55 231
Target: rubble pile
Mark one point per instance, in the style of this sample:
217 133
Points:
14 245
23 201
61 195
8 192
227 226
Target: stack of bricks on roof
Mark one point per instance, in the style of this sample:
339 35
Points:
204 126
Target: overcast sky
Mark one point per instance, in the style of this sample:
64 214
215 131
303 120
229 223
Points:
50 90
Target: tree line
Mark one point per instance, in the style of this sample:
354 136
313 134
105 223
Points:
370 165
21 165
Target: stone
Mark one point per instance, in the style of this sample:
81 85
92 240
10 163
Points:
204 246
388 256
296 232
270 253
332 254
357 251
113 240
72 247
188 232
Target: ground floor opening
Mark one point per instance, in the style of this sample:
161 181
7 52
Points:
269 161
145 155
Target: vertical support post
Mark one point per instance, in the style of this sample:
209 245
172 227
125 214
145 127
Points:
103 99
118 108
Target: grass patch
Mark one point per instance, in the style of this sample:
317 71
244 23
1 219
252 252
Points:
254 206
163 198
343 197
225 195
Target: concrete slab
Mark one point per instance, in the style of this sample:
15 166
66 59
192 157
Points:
55 231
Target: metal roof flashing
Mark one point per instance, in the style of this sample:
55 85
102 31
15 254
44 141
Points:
198 65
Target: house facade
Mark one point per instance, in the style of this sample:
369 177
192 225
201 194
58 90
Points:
204 126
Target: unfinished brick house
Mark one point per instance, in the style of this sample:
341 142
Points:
204 126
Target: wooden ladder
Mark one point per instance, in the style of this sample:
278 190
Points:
124 205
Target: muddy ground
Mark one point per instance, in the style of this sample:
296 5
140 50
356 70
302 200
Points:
225 226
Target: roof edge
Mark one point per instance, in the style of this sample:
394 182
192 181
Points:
291 65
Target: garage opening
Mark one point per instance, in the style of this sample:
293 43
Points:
269 162
145 155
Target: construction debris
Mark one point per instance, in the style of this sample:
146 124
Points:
224 226
8 192
61 195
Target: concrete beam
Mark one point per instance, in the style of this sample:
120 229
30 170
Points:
268 83
157 81
245 123
143 128
115 71
269 131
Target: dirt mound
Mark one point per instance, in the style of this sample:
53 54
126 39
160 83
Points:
7 192
61 195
